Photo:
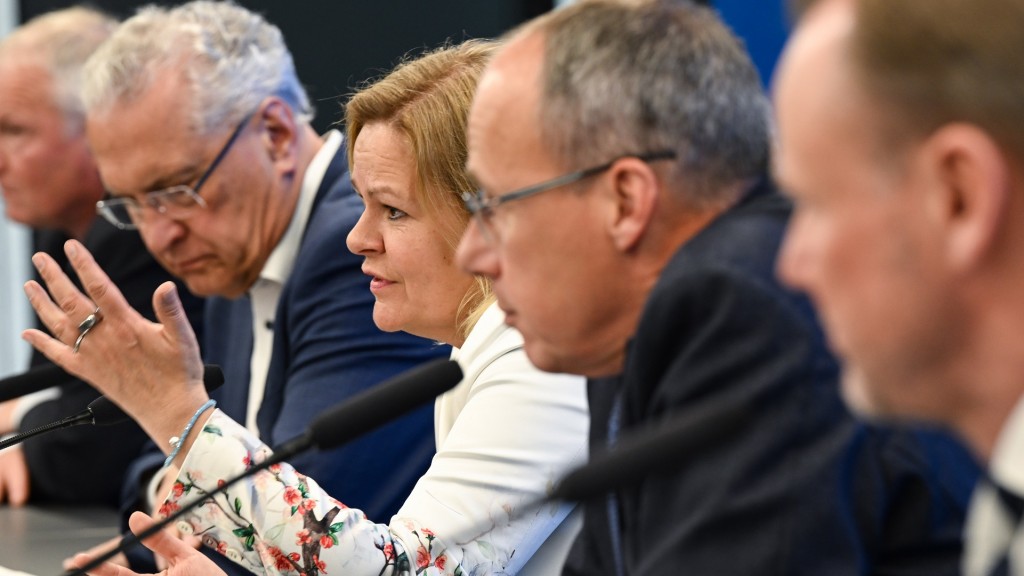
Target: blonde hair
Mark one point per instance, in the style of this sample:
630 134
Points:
428 99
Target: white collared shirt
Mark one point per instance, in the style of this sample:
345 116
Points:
989 529
266 292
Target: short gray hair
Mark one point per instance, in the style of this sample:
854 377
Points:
641 77
232 58
60 42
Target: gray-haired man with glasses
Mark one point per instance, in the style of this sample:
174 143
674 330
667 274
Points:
176 202
200 128
653 275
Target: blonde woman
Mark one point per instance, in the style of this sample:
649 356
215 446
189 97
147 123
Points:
504 435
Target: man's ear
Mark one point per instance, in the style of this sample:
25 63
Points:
972 191
279 133
635 189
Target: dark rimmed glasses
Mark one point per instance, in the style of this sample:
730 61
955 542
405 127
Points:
177 202
482 208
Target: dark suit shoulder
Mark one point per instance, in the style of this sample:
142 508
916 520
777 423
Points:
718 305
745 239
801 486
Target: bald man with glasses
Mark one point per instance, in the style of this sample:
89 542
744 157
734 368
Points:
628 227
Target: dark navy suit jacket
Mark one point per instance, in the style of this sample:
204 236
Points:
798 486
326 348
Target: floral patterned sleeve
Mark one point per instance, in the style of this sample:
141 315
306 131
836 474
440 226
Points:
281 522
505 435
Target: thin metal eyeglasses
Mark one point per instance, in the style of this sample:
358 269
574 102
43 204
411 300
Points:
176 202
482 208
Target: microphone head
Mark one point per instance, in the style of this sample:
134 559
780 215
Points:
213 377
33 380
651 451
384 402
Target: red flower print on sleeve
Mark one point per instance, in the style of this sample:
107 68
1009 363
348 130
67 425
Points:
292 496
303 537
439 563
281 561
422 558
326 541
168 508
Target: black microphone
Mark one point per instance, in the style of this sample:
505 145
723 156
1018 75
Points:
33 380
635 456
642 454
365 411
103 412
384 402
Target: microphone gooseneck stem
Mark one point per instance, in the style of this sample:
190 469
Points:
84 417
280 454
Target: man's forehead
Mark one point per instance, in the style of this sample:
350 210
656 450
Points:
814 70
513 72
813 92
27 79
135 157
828 22
504 109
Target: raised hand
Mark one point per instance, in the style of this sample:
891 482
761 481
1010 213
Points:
151 369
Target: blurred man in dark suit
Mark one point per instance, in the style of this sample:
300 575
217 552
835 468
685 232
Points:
901 131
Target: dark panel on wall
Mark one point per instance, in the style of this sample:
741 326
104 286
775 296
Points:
339 44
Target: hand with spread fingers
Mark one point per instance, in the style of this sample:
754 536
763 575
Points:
151 369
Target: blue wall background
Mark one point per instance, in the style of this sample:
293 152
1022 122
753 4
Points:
762 24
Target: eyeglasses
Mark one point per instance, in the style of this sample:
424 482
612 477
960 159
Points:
482 208
177 202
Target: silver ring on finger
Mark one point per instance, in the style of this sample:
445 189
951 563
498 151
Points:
88 324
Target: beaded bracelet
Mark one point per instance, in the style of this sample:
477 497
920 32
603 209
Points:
177 441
